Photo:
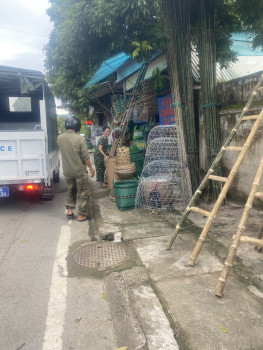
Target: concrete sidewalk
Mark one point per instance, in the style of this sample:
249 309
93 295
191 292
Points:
157 302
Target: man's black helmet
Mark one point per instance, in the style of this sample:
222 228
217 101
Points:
72 123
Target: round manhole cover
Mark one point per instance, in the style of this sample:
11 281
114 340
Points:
99 255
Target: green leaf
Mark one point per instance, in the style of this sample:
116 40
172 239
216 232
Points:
135 43
104 296
135 52
97 264
223 329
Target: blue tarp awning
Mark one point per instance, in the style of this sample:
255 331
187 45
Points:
242 44
108 67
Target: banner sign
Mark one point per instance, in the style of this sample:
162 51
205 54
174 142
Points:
166 113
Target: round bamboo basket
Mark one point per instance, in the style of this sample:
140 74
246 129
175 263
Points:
123 160
125 172
110 164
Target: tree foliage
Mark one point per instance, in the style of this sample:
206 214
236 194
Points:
21 104
251 14
86 32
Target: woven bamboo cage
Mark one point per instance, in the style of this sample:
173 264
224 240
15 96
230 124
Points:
110 164
119 104
147 86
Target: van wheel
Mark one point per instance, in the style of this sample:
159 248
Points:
56 176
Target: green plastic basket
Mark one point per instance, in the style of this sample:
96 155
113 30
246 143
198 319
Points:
125 193
137 157
139 166
136 152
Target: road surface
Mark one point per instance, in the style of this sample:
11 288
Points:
41 307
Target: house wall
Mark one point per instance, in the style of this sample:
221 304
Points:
236 94
244 179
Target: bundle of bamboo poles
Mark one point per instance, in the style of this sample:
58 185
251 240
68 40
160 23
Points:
180 72
207 59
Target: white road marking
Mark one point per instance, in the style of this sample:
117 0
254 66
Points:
58 294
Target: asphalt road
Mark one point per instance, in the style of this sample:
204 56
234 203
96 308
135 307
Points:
41 307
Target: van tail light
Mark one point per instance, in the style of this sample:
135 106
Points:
31 187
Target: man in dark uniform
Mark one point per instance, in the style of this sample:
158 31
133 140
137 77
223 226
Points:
75 159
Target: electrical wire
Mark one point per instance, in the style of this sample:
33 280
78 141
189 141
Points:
21 31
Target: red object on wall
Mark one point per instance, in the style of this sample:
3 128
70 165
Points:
89 122
166 112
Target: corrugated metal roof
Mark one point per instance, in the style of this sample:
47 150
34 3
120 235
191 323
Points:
244 66
108 67
132 66
249 61
127 69
160 62
195 66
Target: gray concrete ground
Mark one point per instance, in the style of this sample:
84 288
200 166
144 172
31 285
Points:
157 302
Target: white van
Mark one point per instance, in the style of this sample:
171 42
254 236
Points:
29 157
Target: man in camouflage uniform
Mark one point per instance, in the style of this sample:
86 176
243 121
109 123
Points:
75 159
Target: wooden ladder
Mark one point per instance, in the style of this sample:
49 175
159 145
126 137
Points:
226 180
238 237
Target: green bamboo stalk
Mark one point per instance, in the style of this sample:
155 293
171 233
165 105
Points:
173 68
180 31
208 87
